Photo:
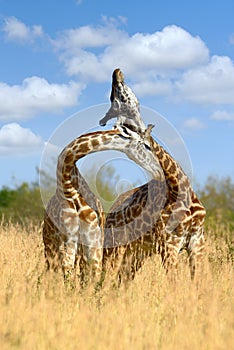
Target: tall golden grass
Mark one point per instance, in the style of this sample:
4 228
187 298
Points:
38 312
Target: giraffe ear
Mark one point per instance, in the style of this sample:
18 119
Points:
150 127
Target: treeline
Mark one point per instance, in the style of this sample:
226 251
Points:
23 203
217 195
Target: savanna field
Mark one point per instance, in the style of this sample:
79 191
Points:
38 312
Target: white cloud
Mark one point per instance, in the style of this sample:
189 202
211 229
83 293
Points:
15 30
150 88
172 48
18 141
93 52
212 83
193 124
35 95
169 62
72 41
222 115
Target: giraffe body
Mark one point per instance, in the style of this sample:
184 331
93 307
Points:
176 222
74 219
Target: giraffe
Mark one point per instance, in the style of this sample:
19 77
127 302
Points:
61 220
74 218
181 220
158 217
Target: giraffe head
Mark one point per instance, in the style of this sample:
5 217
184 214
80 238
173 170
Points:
117 77
139 149
124 105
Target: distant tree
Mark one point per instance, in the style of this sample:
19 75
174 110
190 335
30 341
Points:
47 181
103 185
21 204
217 195
24 202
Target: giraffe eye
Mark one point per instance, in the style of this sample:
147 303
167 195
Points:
147 147
124 129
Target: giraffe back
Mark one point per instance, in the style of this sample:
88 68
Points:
134 213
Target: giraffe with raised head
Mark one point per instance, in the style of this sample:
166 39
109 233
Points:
74 218
178 225
124 105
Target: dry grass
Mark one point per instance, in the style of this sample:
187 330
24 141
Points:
37 312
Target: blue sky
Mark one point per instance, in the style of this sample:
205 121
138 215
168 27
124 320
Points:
57 58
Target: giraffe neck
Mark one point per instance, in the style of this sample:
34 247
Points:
177 181
131 144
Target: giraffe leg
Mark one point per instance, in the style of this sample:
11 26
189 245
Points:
112 265
51 244
117 265
91 239
129 267
51 257
169 255
91 265
196 251
68 240
67 253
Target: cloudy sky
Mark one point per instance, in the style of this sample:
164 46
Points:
57 58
